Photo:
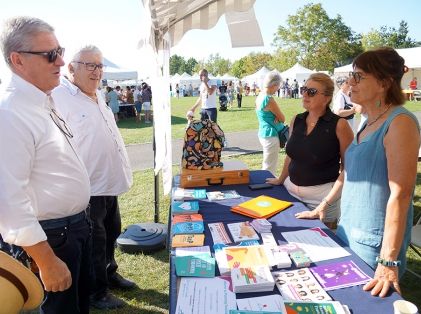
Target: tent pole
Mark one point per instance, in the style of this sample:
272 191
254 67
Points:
156 176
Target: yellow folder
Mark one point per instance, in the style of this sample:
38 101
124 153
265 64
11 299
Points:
261 207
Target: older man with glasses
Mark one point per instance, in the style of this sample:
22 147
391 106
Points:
98 141
44 184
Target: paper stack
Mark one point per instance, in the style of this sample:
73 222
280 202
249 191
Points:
262 225
252 279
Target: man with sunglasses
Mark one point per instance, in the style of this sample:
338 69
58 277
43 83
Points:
45 186
101 147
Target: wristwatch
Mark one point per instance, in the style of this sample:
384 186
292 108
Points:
383 262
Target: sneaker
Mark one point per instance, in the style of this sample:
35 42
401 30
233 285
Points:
117 281
106 302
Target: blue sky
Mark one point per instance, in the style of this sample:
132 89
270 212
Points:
114 26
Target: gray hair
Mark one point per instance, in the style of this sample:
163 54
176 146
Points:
88 48
340 80
271 79
18 32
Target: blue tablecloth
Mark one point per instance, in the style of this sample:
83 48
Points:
358 300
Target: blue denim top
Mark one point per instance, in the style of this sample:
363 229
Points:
267 126
365 195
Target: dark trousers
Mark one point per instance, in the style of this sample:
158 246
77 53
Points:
210 114
106 227
239 99
71 243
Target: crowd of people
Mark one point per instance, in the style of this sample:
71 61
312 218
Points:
59 204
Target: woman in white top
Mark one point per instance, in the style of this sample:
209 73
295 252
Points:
342 105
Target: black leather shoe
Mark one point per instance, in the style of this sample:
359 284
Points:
106 302
118 282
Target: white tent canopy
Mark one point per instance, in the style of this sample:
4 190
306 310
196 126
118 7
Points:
257 77
227 77
116 73
297 72
164 24
412 58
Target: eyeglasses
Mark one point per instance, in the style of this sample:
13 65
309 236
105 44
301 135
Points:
357 76
50 55
60 123
91 66
311 92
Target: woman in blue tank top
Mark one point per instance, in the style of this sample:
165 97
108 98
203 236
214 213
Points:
380 172
271 120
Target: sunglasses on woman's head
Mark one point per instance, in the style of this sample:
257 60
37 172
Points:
50 55
311 92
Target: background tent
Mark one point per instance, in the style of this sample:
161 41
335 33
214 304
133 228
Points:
114 72
164 24
297 72
412 58
257 77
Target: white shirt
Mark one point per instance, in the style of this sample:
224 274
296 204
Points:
41 177
339 101
208 101
97 139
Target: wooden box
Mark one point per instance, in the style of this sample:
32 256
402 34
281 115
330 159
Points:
233 172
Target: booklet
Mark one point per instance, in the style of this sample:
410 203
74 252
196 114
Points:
221 256
180 194
219 298
246 256
252 279
219 233
188 227
242 231
195 266
327 307
222 195
193 251
339 275
317 245
261 207
184 208
184 240
267 303
299 284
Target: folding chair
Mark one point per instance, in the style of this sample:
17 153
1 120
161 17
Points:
416 242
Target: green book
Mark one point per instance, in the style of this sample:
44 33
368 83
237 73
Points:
201 265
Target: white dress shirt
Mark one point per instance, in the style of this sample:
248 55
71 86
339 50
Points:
208 101
41 177
97 139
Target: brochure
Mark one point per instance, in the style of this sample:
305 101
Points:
186 218
317 245
299 284
339 275
222 195
195 266
246 256
241 231
221 256
192 251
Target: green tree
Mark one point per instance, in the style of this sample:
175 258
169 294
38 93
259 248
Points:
238 69
217 65
389 36
283 59
190 65
177 64
255 61
319 41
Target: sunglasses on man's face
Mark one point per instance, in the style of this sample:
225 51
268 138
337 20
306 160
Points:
311 92
50 55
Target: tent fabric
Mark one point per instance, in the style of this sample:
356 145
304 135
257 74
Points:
296 72
257 77
164 24
114 72
178 17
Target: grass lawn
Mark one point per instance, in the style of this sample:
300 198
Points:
235 119
151 272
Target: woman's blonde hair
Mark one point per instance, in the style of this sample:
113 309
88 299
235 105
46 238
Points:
327 83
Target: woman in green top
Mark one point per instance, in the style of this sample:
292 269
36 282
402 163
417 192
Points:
271 120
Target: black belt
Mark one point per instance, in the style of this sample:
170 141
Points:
63 222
